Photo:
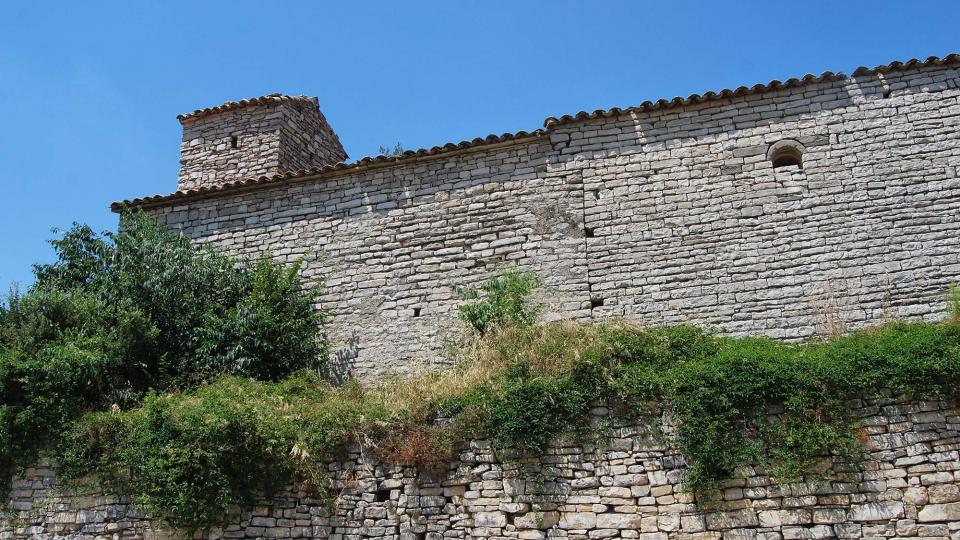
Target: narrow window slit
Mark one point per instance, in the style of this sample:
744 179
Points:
234 142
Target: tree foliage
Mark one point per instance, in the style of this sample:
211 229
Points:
118 315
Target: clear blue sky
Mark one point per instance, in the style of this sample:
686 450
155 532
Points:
89 90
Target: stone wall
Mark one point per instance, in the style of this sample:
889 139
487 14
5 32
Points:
661 216
391 244
278 133
629 487
307 140
692 224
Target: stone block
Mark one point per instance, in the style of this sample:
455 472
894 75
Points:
732 519
877 511
619 521
490 519
939 512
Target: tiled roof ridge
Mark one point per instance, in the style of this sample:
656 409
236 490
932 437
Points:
231 105
548 124
727 93
362 163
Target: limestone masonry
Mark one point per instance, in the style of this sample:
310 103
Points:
627 488
269 135
668 212
791 209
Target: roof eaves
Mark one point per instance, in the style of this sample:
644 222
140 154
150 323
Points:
774 85
549 123
243 103
329 170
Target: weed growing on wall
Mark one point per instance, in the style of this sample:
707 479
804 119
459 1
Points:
500 301
953 302
396 151
190 456
522 388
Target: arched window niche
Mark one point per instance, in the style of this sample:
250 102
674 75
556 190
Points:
786 153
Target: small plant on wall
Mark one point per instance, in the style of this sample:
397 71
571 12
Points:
953 302
503 300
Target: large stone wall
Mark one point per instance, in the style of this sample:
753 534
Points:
392 243
629 487
664 216
692 224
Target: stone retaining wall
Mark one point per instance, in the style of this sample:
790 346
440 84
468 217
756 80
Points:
629 487
665 216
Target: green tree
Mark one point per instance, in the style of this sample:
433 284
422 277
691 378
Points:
121 314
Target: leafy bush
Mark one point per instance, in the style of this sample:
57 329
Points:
188 457
502 300
120 314
209 313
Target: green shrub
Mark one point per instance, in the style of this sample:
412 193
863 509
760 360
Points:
527 412
210 313
720 402
120 314
189 457
500 301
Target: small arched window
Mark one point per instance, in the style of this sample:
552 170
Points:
786 153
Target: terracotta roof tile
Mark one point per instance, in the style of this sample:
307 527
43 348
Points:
771 86
329 170
231 105
549 123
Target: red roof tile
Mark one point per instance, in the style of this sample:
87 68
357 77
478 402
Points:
746 91
231 105
328 170
549 123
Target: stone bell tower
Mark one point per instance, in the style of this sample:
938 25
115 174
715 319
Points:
256 137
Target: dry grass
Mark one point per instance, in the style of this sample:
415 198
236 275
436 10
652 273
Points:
953 303
828 313
549 349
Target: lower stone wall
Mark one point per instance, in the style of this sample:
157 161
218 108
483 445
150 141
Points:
628 487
